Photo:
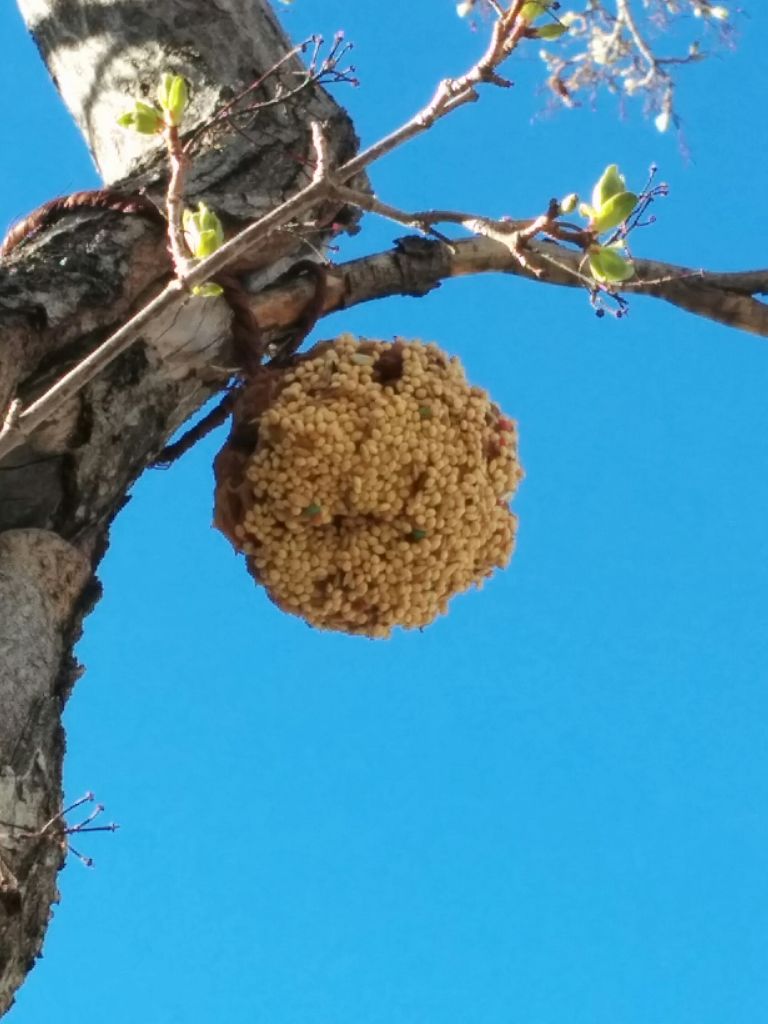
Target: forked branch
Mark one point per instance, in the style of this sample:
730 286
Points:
508 29
507 246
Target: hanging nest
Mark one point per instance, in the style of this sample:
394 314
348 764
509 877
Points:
367 484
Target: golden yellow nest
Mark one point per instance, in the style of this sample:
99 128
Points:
367 484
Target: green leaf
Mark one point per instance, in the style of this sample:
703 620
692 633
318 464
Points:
608 266
209 290
609 185
142 118
614 212
172 97
203 231
206 244
550 32
568 203
534 9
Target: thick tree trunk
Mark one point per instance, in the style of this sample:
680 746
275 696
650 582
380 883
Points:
60 294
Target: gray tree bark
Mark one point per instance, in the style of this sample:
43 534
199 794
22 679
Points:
60 294
72 284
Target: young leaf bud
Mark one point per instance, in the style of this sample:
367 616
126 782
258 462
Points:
534 9
203 231
614 211
610 183
551 31
209 290
142 118
608 266
172 97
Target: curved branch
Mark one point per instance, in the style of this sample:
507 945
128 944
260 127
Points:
416 265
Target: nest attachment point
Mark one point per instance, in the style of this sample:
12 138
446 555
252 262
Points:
368 483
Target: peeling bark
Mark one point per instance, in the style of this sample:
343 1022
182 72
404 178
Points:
42 579
72 284
61 293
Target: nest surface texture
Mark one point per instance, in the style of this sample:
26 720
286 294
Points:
368 483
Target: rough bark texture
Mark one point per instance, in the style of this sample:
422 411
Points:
416 265
61 293
71 285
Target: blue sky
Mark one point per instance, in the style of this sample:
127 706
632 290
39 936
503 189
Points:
550 806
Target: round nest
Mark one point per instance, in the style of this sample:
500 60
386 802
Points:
367 484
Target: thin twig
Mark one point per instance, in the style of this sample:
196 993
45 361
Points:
625 16
727 298
71 383
423 221
174 201
172 452
452 93
228 107
322 169
327 72
11 420
508 30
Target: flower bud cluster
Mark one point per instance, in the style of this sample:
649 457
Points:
377 488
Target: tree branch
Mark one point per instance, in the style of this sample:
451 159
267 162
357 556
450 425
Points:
508 30
452 93
19 426
417 265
